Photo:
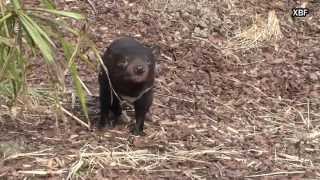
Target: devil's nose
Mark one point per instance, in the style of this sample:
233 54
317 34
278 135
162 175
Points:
139 69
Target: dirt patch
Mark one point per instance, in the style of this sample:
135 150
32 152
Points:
231 101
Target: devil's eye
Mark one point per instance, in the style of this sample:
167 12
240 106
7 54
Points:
148 60
122 63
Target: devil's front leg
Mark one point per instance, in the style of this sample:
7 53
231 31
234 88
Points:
116 111
105 100
142 107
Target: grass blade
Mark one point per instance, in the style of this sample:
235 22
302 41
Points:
16 4
61 13
5 60
54 24
5 17
79 89
70 54
38 40
6 41
49 4
67 49
43 33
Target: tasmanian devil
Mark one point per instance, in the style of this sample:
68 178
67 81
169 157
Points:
131 68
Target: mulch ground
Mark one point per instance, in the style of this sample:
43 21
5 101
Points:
223 108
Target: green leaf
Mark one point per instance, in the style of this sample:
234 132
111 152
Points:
19 70
5 88
49 4
74 54
62 13
67 49
42 44
70 53
5 17
54 23
79 89
14 70
5 60
31 44
4 21
6 41
42 32
16 4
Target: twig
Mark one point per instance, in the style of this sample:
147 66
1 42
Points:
167 57
75 118
92 6
36 153
177 98
42 172
207 41
85 87
276 173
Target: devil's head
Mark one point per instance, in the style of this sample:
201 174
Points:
131 61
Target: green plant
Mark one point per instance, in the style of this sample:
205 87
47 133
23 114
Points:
28 32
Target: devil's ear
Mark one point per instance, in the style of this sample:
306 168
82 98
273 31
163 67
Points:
155 50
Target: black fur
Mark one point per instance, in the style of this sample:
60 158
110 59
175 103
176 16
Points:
131 69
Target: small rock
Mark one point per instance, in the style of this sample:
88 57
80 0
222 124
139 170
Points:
103 28
313 76
203 24
201 32
91 55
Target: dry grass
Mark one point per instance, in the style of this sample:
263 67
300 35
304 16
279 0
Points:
261 31
303 133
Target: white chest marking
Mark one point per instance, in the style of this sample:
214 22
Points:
129 99
133 99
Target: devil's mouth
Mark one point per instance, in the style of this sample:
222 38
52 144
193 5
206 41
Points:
140 78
